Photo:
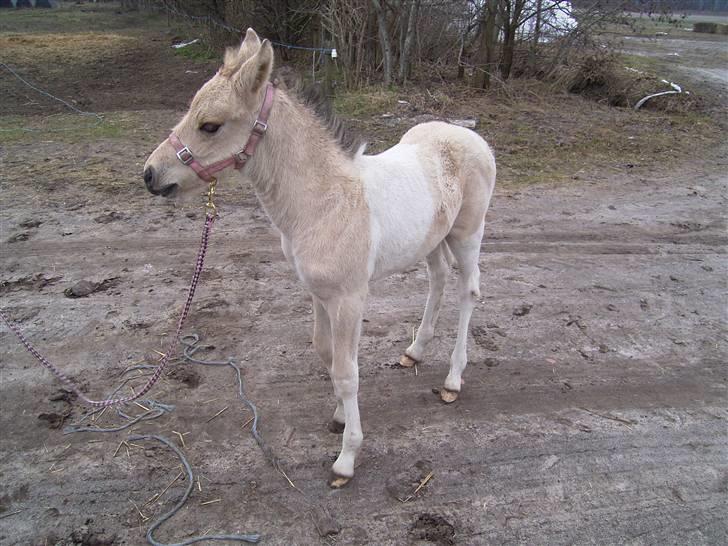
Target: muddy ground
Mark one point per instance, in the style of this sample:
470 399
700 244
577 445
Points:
594 409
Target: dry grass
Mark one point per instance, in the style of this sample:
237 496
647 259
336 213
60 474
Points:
539 134
60 50
603 77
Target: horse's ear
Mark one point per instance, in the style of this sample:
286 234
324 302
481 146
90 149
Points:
250 45
256 70
235 57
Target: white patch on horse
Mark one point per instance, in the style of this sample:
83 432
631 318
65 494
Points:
401 208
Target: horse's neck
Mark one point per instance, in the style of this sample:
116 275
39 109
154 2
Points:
298 170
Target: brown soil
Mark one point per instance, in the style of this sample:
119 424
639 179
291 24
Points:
594 403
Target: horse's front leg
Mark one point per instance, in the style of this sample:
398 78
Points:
323 345
345 314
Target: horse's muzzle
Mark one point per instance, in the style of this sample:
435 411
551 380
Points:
151 184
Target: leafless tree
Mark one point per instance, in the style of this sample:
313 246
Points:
400 39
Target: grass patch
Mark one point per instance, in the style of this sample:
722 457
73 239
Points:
641 62
79 18
71 128
198 52
365 103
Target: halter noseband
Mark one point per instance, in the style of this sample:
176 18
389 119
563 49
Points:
239 158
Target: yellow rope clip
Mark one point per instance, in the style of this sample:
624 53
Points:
210 205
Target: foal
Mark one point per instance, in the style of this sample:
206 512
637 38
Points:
345 218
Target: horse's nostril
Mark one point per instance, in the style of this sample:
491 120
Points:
148 176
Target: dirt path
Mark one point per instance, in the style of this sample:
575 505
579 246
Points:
599 412
700 61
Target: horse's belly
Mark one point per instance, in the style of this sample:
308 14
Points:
401 221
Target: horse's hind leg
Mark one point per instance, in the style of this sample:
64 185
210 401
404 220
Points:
467 253
437 272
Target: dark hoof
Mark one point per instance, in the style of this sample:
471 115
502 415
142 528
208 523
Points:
336 427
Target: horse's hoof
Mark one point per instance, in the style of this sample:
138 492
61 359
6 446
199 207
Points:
336 427
448 396
407 361
337 482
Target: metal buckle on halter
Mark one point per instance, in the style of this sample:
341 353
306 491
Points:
263 127
241 156
185 156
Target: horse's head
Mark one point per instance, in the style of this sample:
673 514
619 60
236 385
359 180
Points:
218 122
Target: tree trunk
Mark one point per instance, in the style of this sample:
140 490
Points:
385 41
533 48
461 66
512 15
486 46
404 58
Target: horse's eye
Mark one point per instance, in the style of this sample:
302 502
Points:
209 127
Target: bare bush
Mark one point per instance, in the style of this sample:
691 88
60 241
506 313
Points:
396 41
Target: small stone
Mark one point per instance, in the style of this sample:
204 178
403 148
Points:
81 289
467 123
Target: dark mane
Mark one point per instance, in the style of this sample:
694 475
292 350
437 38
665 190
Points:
313 97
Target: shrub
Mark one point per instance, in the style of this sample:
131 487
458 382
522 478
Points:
601 76
706 28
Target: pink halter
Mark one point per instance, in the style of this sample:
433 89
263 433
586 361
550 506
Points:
238 159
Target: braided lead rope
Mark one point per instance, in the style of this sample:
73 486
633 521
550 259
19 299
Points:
209 220
253 538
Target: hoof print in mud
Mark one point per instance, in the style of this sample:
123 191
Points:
53 420
410 482
188 377
325 523
433 528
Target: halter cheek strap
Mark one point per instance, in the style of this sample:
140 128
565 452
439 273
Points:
239 158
